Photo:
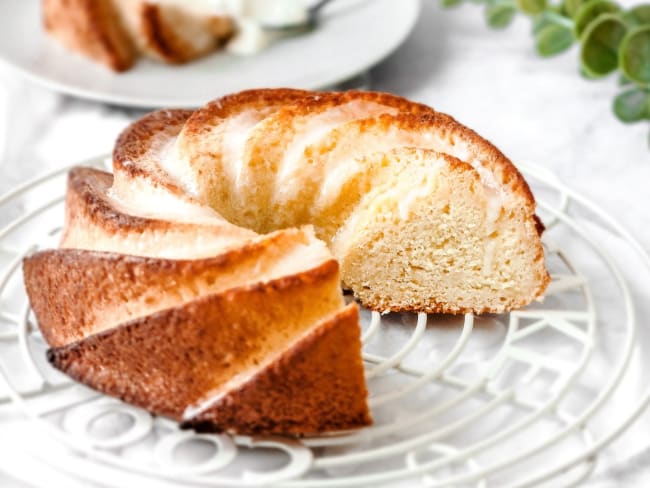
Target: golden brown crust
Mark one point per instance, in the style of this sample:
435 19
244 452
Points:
168 360
214 112
86 198
135 142
539 225
315 386
92 28
446 308
316 102
94 220
497 161
75 293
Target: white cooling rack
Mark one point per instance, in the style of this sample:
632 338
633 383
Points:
532 397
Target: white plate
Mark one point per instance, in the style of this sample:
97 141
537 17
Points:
354 35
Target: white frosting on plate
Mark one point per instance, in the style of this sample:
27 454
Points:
250 38
250 17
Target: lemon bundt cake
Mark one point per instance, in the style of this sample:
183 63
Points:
116 32
201 280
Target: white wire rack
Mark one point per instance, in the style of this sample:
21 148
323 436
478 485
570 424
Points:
518 399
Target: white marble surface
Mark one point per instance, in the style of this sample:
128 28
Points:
533 109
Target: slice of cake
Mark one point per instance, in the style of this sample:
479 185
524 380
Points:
116 32
214 368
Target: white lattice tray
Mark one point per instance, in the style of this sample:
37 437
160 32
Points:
532 397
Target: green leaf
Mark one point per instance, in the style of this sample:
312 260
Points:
634 57
571 7
632 105
585 74
451 3
637 16
500 14
553 39
590 11
623 80
600 42
531 7
549 18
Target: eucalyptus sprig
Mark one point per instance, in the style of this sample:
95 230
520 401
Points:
610 39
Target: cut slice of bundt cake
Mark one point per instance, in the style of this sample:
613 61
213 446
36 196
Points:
180 362
116 32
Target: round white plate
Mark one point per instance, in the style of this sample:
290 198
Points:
354 35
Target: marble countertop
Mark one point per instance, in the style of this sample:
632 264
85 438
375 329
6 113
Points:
533 109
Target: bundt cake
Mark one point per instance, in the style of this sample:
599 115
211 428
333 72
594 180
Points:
201 280
116 32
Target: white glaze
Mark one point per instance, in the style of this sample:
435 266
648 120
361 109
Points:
405 204
175 167
335 179
139 201
314 130
236 132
